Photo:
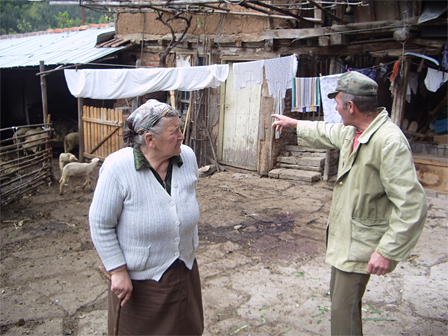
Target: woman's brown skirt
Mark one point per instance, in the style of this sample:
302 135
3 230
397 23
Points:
172 306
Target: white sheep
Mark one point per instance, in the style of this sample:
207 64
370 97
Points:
65 158
18 136
33 141
70 141
77 169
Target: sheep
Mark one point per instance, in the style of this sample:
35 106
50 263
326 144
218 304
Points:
77 169
65 158
70 141
18 136
33 140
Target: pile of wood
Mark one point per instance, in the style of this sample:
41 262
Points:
305 164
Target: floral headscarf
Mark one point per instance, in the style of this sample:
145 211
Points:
143 118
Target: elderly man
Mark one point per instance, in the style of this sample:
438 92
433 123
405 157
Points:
379 208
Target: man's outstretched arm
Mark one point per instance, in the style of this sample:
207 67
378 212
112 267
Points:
282 122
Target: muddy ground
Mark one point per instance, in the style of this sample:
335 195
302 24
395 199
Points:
261 259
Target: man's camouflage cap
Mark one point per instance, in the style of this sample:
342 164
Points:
355 83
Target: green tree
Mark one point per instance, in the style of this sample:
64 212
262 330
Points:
24 16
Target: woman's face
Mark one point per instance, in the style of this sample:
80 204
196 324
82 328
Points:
169 142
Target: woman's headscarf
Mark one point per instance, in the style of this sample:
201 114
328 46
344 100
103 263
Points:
143 118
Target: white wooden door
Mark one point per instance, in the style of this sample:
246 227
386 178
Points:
241 119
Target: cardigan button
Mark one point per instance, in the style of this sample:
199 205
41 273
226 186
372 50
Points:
341 183
172 203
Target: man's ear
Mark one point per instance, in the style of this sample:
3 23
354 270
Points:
351 107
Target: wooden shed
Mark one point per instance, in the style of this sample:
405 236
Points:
34 95
404 38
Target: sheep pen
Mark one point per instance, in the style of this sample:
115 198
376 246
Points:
20 174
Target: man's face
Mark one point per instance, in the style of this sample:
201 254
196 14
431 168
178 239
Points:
345 113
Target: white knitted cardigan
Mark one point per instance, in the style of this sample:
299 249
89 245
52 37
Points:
134 221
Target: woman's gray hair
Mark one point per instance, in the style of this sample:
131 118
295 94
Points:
365 104
149 117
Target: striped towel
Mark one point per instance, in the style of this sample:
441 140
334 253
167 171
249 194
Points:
305 94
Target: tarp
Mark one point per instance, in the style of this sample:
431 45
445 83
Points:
432 10
128 83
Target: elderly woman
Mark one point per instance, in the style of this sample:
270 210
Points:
143 221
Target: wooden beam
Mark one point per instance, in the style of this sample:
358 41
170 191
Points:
43 88
338 19
276 9
80 129
400 93
103 122
292 34
420 135
216 7
98 145
246 5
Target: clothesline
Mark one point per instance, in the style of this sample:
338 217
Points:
381 65
371 67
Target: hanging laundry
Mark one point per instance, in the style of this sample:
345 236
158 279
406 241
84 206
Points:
369 72
383 70
445 56
126 83
183 61
395 71
412 85
279 72
413 82
328 84
434 79
247 73
305 94
279 108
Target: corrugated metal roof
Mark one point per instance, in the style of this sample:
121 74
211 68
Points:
72 47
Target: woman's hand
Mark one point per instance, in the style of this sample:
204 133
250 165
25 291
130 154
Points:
121 284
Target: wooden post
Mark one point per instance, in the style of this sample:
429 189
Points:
136 100
43 88
80 129
46 117
188 120
399 91
25 109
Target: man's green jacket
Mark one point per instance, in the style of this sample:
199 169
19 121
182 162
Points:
378 203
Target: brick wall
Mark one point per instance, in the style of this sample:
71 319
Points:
150 60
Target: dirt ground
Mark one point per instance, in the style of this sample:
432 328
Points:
261 259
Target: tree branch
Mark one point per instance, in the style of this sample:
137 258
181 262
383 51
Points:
173 42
